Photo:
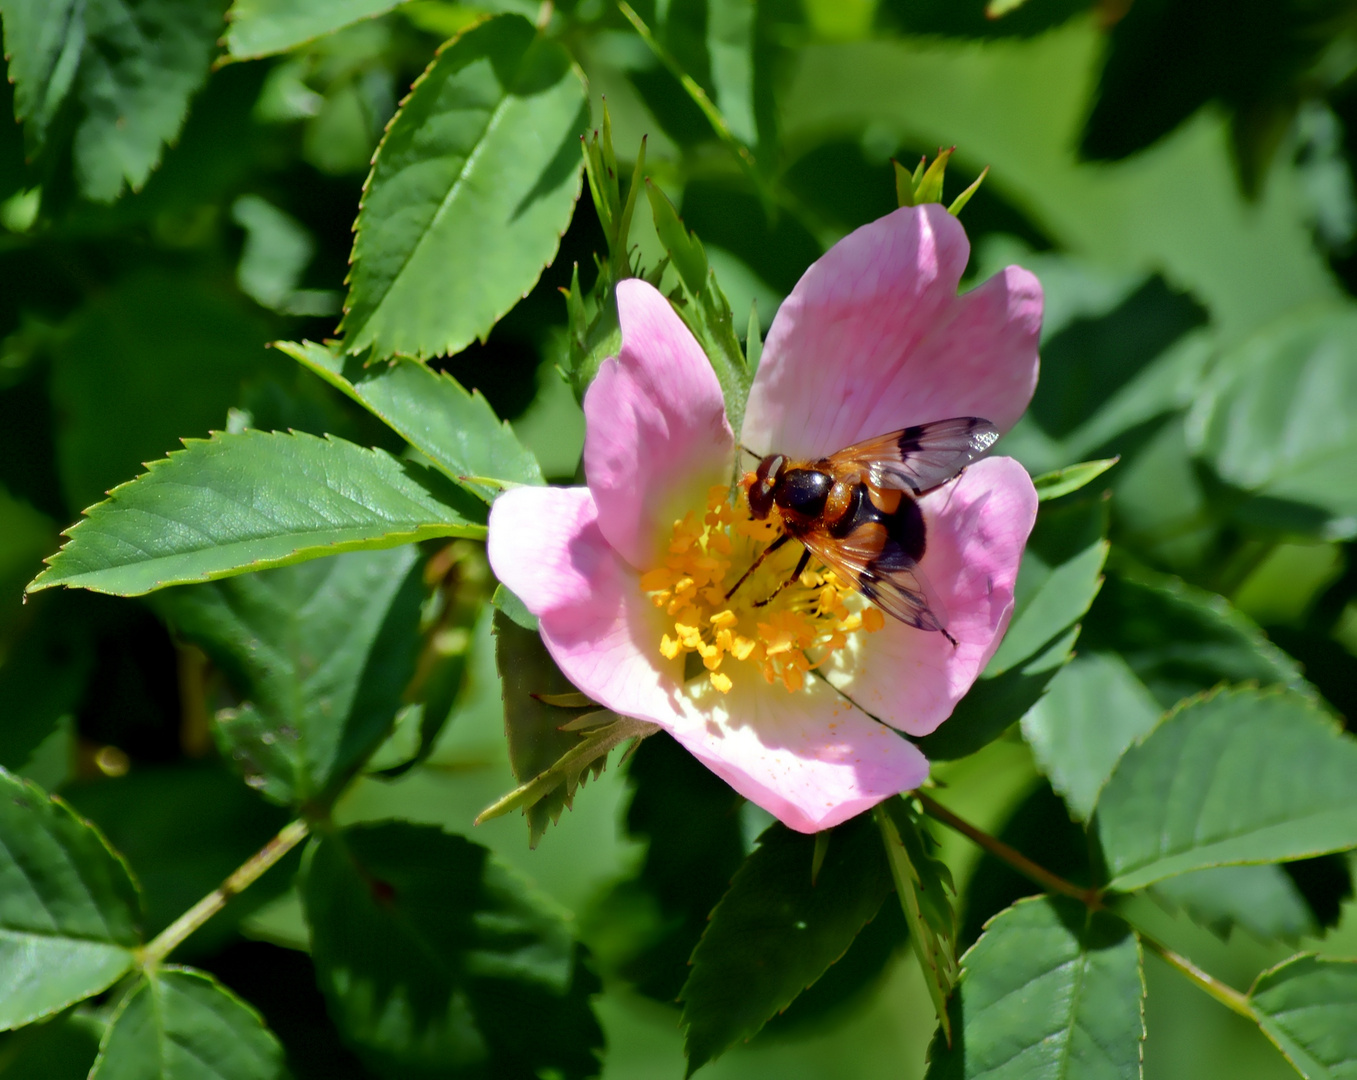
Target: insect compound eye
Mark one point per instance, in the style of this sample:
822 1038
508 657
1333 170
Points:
804 491
760 498
769 470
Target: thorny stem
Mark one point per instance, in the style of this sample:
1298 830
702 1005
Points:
1227 995
244 876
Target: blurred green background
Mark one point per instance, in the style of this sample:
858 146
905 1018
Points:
1178 173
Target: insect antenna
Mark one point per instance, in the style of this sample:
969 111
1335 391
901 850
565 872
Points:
756 457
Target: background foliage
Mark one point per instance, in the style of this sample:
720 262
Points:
1168 719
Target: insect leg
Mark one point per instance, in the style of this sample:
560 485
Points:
755 565
801 564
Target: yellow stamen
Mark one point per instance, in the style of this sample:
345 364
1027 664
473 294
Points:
785 631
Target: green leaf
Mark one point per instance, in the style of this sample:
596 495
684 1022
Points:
777 930
514 608
1077 755
181 1024
69 913
553 749
278 249
43 43
471 189
183 830
1181 640
1053 485
1278 420
706 309
1145 645
237 503
157 357
142 61
1060 575
321 653
1242 776
1051 990
63 1048
456 430
923 883
263 27
1263 900
438 960
1308 1007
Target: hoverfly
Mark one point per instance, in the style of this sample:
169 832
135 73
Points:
856 512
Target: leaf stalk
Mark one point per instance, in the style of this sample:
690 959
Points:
241 879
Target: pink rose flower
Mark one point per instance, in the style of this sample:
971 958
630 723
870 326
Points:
798 704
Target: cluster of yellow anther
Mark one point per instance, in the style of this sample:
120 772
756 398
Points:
795 633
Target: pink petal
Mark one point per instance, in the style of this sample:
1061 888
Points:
656 433
977 528
545 544
874 338
810 759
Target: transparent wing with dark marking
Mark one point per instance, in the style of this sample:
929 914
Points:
879 568
918 459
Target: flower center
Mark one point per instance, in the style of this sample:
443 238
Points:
786 636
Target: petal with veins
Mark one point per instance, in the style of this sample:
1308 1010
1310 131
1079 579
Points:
977 528
874 338
656 430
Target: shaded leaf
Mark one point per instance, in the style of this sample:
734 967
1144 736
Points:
321 653
470 191
777 930
43 43
923 883
262 27
1075 751
1308 1007
1242 776
552 749
143 60
1051 990
1278 421
456 430
432 954
1060 575
1263 900
183 830
69 912
706 310
181 1024
63 1048
156 358
1180 640
238 503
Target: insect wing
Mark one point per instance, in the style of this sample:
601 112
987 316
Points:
918 459
880 569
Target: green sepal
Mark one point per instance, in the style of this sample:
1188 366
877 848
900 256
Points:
923 881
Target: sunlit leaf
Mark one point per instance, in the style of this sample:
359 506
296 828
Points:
261 27
1308 1007
1278 420
69 911
1051 991
471 189
238 503
457 430
179 1024
1242 776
